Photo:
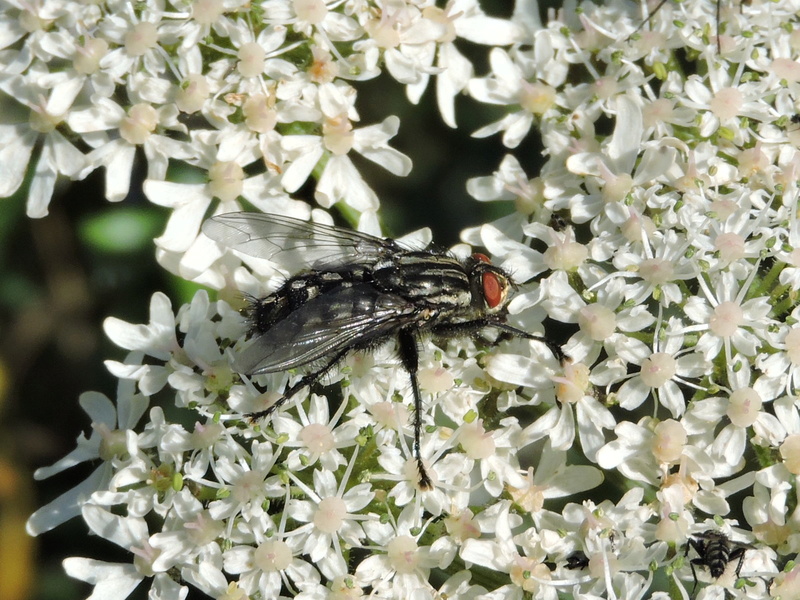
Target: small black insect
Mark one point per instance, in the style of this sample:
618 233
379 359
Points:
792 123
354 291
577 560
714 551
557 222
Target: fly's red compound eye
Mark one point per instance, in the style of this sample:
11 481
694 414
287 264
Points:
494 290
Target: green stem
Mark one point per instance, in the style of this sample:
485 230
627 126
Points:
768 281
784 306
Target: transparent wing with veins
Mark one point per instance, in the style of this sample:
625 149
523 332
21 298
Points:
296 244
328 325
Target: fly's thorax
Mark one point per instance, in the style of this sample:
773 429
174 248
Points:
437 280
296 291
262 313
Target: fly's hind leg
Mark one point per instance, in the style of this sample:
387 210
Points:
305 381
738 553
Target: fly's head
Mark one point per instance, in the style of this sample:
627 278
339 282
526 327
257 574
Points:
490 284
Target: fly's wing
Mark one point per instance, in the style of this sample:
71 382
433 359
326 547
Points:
301 244
327 325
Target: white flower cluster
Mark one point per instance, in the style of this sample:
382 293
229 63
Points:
663 231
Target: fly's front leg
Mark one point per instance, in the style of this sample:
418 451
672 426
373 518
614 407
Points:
692 563
699 547
409 356
470 327
552 346
305 381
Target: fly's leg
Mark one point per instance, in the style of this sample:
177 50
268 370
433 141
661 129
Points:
552 346
470 327
409 356
305 381
738 553
649 17
699 547
660 6
699 562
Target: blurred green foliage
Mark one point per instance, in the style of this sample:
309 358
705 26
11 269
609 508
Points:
120 231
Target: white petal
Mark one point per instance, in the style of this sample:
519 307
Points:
488 188
68 504
42 185
401 67
572 480
526 12
584 163
511 368
238 559
655 162
671 398
166 588
626 140
697 310
85 450
112 581
484 553
730 444
301 167
103 115
126 532
458 72
370 142
63 95
518 126
15 152
341 181
563 434
183 225
68 159
341 28
169 194
99 408
488 30
11 29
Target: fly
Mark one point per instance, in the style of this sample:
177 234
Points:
714 551
354 291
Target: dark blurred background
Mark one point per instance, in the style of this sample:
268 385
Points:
60 276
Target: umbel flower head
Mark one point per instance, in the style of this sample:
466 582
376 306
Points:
662 233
